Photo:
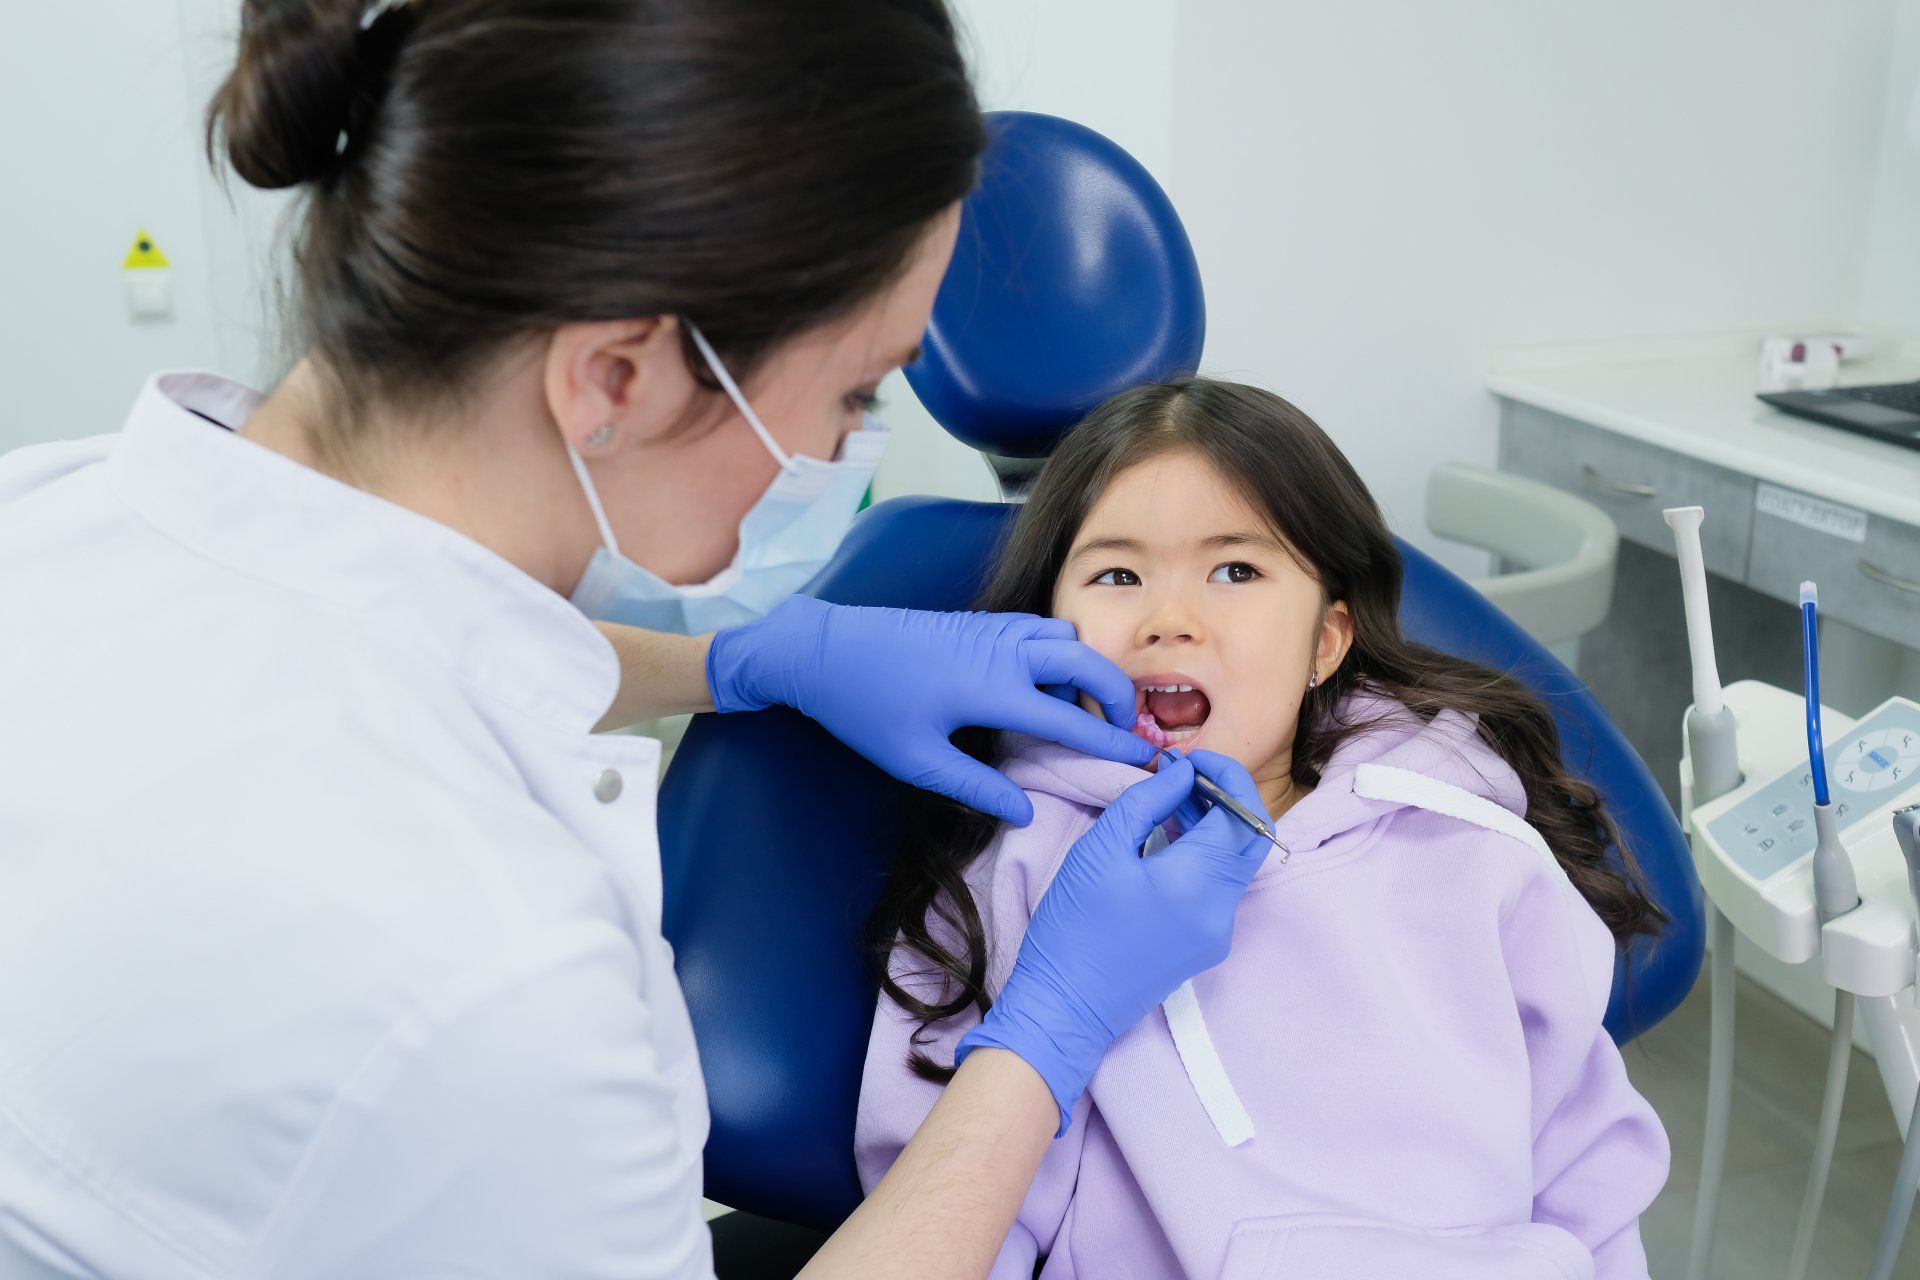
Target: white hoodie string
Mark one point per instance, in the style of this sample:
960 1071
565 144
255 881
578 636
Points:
1191 1040
1205 1071
1404 786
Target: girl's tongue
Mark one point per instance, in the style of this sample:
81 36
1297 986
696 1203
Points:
1171 718
1183 710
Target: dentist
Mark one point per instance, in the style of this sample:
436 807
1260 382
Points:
329 928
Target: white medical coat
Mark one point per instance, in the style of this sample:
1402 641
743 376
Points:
329 933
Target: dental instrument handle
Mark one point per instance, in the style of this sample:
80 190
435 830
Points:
1712 737
1713 747
1713 755
1835 891
1906 833
1218 795
1834 894
1685 523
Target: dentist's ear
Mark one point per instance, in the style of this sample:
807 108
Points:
1335 639
613 383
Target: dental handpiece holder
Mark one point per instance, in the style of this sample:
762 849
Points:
1754 845
1806 839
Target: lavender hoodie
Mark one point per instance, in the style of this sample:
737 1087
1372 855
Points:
1407 1034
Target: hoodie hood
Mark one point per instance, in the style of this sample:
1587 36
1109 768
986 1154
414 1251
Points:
1448 749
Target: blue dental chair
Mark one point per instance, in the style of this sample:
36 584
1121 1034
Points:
1072 280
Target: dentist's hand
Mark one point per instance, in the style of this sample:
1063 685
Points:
894 684
1115 933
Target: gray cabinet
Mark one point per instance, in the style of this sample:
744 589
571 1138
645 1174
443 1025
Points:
1872 583
1632 482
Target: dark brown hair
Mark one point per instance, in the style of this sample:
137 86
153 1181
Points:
480 170
1290 472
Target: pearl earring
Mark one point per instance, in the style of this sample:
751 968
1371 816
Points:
601 434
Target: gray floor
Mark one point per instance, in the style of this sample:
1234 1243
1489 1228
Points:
1778 1074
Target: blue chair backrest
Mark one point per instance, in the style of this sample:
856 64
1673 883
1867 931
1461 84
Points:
1072 280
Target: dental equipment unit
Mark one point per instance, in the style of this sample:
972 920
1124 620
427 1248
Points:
1807 862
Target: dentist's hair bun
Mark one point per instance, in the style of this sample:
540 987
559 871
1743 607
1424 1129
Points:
308 79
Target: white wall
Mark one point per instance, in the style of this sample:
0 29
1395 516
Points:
100 118
1380 192
1890 289
1377 191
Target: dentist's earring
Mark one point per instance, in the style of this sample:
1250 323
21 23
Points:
1313 678
600 435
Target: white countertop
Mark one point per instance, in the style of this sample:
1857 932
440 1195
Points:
1694 395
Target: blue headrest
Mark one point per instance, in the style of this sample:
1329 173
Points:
1072 280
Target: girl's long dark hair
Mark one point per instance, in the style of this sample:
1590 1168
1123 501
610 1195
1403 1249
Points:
1293 474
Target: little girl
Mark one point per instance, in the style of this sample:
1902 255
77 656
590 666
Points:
1400 1070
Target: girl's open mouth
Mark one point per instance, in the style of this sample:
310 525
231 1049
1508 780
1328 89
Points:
1170 710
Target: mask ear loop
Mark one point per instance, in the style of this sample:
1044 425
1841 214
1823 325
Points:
739 399
593 501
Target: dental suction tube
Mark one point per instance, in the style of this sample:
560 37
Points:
1810 659
1906 832
1834 894
1835 891
1713 752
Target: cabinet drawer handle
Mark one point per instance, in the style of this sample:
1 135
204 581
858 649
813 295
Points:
1627 487
1886 579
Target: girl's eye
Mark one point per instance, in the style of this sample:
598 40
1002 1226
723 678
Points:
1118 578
1234 571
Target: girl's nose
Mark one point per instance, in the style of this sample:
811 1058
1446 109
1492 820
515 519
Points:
1169 621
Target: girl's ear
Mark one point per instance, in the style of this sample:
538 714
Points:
1336 637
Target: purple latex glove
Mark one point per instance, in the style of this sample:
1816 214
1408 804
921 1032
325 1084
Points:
1116 933
894 684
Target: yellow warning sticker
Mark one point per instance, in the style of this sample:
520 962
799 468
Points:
144 254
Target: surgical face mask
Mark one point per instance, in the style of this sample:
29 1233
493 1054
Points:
785 538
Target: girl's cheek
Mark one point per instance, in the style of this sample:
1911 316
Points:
1095 626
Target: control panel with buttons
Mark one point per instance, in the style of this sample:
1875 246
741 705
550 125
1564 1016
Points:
1868 766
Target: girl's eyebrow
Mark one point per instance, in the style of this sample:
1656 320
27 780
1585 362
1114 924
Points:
1127 545
1222 540
1215 542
